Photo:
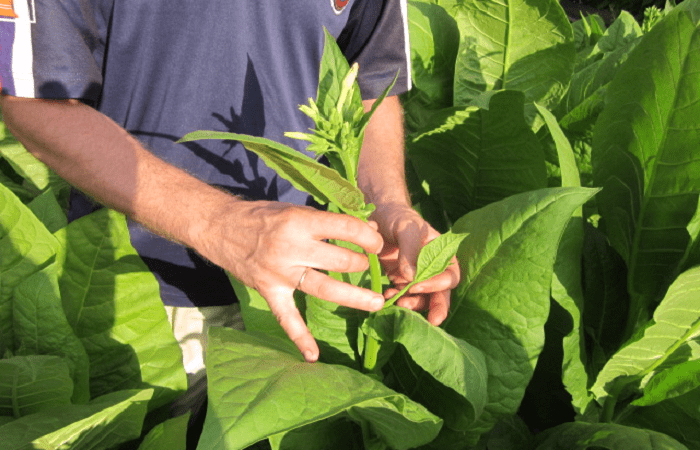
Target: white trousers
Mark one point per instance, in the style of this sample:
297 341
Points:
190 326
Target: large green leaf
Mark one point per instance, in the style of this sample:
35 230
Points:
502 301
112 302
473 157
168 435
434 43
41 328
448 360
676 323
646 156
25 247
29 384
594 436
260 386
521 45
305 173
102 424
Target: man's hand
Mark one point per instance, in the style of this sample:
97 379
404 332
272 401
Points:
266 245
405 233
270 246
381 178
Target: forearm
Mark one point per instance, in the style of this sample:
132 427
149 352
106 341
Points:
99 157
381 173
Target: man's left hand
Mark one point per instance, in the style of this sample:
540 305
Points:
405 233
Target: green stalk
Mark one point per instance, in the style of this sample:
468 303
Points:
606 415
371 344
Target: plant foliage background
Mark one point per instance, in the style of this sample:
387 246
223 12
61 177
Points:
567 154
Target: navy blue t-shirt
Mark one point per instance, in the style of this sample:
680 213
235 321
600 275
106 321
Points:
163 68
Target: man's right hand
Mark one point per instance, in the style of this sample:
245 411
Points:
266 245
270 246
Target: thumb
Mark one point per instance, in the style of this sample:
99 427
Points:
410 240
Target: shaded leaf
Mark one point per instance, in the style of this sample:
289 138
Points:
30 384
677 417
112 302
473 157
337 433
168 435
434 43
26 246
46 208
41 328
104 423
448 360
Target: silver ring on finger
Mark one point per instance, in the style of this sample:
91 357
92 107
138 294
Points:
301 280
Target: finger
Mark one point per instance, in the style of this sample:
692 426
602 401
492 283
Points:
326 288
346 228
439 307
414 302
283 307
411 240
324 256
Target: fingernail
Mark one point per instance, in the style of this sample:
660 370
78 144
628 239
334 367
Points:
309 356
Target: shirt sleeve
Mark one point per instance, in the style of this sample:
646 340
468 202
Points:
376 37
56 51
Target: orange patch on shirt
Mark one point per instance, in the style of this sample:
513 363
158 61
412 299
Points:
7 9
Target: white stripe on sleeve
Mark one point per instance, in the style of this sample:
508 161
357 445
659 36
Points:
407 42
22 52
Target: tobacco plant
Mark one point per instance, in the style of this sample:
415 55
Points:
387 379
575 322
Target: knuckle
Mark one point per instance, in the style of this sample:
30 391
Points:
352 226
344 262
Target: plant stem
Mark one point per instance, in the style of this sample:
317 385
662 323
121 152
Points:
371 344
608 409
